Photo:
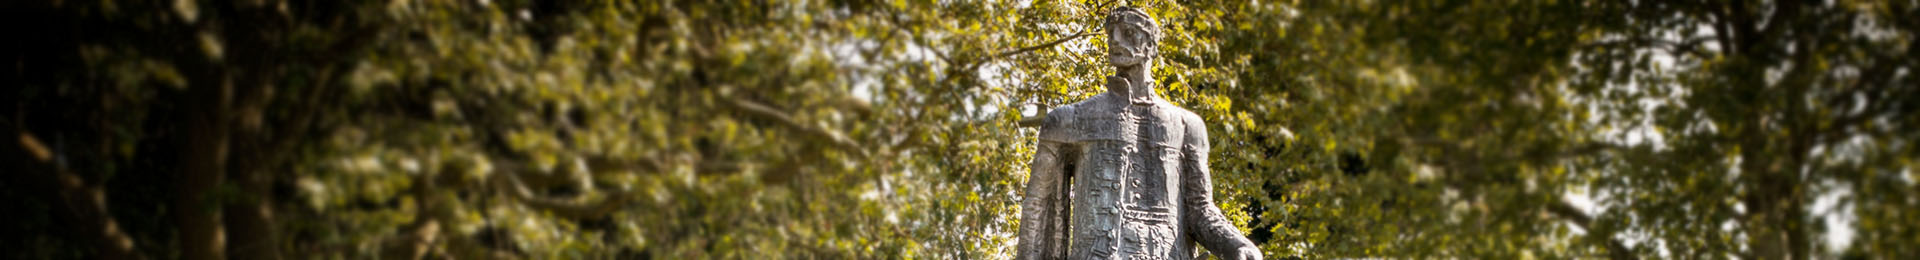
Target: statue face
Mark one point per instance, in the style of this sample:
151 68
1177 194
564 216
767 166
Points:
1124 47
1129 42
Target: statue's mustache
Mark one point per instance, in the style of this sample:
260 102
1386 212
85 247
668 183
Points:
1125 51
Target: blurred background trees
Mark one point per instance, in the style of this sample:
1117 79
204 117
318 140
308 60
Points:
894 129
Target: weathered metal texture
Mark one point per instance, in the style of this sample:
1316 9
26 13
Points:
1123 175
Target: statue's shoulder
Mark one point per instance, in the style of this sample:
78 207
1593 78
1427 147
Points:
1186 117
1191 121
1061 123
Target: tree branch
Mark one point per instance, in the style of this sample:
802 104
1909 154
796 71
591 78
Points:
575 208
86 203
1041 46
1690 46
1035 120
1615 249
767 112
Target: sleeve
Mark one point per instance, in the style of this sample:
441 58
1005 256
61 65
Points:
1044 209
1199 214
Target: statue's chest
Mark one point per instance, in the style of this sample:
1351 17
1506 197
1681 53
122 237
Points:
1147 125
1131 157
1126 183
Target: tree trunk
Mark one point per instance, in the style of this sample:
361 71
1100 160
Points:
196 210
252 218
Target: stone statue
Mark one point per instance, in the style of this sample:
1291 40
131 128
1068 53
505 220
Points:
1123 175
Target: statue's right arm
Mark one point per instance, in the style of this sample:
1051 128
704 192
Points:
1041 226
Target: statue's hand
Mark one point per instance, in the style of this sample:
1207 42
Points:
1248 253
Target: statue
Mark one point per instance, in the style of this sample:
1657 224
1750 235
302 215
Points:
1123 175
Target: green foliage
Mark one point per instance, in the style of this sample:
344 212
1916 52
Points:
893 129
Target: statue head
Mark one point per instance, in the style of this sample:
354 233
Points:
1133 38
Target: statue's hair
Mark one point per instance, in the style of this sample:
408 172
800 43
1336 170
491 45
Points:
1118 17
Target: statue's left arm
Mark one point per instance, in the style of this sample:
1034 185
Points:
1199 214
1044 211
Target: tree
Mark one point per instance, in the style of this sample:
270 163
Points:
1493 111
